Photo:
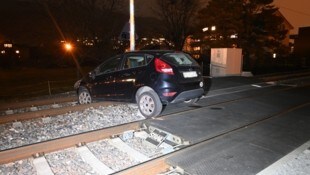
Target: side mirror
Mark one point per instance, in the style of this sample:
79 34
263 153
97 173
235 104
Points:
92 74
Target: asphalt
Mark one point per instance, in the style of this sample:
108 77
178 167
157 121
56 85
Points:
251 149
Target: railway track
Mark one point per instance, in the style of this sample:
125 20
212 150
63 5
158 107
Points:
25 110
33 114
37 102
162 145
161 165
13 112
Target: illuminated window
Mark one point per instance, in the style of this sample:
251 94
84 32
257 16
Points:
196 48
8 45
213 28
196 56
205 29
17 51
234 36
2 51
274 55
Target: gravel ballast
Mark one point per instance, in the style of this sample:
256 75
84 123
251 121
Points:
27 132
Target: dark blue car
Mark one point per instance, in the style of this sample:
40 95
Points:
150 78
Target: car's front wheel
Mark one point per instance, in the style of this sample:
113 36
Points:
84 96
149 104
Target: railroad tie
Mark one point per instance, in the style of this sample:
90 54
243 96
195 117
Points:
42 166
93 161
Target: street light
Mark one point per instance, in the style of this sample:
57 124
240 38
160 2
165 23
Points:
68 47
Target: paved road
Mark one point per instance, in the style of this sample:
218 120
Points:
251 149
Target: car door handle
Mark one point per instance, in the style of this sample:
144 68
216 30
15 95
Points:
126 74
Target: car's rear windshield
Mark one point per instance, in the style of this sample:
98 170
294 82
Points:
179 59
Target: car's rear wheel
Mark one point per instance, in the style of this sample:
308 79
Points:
84 96
149 104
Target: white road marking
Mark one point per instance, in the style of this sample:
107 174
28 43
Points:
273 168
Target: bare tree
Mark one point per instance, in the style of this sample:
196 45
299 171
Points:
84 18
177 17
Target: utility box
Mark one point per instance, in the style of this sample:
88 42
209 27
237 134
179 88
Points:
226 62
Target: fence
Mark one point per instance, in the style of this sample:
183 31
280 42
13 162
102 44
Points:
46 88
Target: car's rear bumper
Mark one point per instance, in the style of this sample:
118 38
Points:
187 95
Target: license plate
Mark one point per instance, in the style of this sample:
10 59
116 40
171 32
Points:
190 74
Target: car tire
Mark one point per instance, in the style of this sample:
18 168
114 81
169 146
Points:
149 104
84 96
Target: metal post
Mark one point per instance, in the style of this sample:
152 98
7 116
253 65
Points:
132 26
49 88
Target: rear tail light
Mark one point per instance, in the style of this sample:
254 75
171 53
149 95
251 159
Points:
163 67
169 94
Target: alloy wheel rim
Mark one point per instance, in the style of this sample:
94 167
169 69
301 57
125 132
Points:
84 98
147 105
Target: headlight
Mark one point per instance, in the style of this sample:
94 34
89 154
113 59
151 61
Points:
201 84
77 84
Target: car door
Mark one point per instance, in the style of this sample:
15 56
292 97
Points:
128 78
104 79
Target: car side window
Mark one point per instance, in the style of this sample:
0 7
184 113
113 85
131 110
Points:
133 61
109 66
149 58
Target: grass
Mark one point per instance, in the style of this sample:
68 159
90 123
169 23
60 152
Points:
22 83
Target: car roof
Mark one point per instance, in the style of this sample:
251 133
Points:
153 52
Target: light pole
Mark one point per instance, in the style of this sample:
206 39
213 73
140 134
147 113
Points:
69 49
132 25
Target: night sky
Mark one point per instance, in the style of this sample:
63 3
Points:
18 15
296 12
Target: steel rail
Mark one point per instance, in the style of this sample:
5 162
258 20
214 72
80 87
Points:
41 148
51 112
41 102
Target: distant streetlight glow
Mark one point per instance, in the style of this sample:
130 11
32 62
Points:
17 51
213 28
205 29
